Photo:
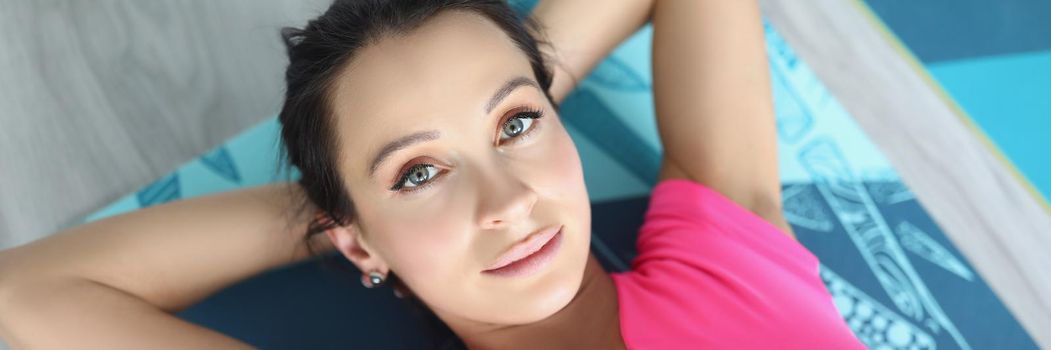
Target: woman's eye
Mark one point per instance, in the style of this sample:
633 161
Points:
415 176
518 125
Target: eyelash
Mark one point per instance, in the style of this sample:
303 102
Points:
526 112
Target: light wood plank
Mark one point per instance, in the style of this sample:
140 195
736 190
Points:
101 97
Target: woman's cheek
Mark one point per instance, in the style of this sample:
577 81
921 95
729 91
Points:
564 169
424 239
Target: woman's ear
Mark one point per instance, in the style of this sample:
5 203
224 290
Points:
349 241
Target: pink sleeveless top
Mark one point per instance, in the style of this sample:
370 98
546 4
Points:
710 274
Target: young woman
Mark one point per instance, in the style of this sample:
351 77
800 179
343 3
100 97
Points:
430 146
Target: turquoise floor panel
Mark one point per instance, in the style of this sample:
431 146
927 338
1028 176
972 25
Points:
1009 97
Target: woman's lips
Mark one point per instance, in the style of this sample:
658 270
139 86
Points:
529 255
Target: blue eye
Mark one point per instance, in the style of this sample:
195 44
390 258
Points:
416 176
519 124
514 128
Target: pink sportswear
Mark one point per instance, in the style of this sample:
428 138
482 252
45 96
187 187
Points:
711 274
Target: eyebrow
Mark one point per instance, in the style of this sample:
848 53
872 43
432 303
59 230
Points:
506 89
428 135
402 142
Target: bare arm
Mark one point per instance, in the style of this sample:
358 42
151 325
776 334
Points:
714 103
113 283
711 86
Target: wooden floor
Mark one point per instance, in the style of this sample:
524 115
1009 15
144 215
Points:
99 98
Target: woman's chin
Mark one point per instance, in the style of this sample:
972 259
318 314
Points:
537 307
528 295
545 296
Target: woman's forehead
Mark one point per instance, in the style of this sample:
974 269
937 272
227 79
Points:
449 66
453 54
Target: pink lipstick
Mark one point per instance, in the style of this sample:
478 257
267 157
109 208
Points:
529 255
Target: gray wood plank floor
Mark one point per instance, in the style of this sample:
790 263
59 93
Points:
101 97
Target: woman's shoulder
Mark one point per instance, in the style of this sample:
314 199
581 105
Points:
686 213
689 227
708 270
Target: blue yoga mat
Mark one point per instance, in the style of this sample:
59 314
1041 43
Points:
896 279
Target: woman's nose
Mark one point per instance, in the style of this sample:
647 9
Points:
504 199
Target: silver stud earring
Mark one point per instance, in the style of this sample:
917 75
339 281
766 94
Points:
375 279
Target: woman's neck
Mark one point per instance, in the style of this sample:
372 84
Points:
589 321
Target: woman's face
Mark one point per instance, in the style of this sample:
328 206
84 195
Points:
449 168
